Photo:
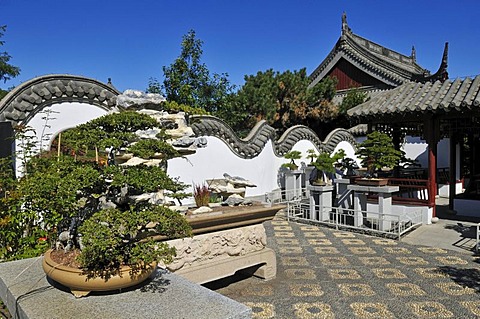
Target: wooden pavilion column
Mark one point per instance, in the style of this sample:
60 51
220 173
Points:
432 136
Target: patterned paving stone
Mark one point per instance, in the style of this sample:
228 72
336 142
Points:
328 273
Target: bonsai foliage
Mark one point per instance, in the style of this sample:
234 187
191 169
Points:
377 152
349 165
326 163
292 156
311 154
91 206
112 238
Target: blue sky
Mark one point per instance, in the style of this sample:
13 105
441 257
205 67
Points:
130 41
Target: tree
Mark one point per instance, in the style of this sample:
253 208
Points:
377 152
188 81
7 71
353 98
284 99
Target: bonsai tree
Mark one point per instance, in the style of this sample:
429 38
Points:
378 152
349 165
101 215
113 225
292 156
325 167
312 155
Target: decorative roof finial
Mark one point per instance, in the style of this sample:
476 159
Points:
414 54
445 54
345 27
444 65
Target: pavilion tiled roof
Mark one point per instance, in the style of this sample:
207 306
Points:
413 97
387 66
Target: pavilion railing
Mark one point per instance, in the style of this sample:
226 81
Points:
411 191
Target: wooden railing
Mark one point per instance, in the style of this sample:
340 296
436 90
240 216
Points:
411 191
414 191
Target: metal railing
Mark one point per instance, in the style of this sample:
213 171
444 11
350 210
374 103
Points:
280 196
344 218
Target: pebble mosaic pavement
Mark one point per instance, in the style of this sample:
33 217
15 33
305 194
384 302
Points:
328 273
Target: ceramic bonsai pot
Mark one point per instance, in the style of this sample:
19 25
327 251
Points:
371 181
79 283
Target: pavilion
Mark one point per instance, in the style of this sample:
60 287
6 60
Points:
433 111
357 62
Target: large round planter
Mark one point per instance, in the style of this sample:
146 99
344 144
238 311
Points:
79 283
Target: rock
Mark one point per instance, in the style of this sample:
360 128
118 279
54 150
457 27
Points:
138 99
183 142
238 181
134 161
233 200
202 210
221 186
104 204
155 198
148 134
247 202
201 142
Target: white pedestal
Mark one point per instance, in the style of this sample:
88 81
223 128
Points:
384 203
293 184
320 201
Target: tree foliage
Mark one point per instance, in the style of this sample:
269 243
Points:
188 81
377 152
7 71
57 192
284 99
353 98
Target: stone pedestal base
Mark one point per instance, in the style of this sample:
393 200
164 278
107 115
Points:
215 255
209 271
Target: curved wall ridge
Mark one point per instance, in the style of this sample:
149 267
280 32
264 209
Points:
249 147
29 98
254 143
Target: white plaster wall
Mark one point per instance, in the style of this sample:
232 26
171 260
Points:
217 159
63 116
417 148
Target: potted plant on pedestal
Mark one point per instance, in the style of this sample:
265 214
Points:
105 241
377 152
325 168
291 176
292 156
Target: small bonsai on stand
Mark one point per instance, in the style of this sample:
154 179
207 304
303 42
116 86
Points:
325 168
292 156
312 155
349 165
378 152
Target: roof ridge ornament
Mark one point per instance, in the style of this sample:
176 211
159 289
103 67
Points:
414 54
345 27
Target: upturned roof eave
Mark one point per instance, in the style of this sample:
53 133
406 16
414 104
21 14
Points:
421 98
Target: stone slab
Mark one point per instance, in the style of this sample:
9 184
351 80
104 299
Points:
28 294
375 189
